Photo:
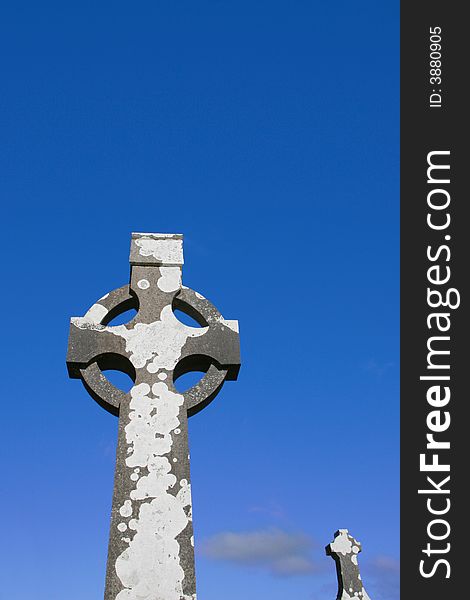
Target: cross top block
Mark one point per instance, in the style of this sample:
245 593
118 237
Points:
156 249
151 552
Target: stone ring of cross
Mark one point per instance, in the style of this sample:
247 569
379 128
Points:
151 548
89 366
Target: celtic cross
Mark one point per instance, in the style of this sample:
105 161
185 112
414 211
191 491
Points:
151 547
344 550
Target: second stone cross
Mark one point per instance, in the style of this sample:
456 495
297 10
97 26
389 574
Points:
151 547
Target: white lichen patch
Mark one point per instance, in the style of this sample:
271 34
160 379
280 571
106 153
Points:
143 284
126 509
184 496
170 279
165 251
342 544
160 342
133 524
149 568
230 323
95 314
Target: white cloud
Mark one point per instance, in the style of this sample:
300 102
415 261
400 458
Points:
282 553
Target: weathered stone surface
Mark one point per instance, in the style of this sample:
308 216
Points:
344 549
151 547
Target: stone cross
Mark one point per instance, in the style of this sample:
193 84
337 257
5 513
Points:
344 550
151 545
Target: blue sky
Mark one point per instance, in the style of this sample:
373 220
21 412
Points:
266 133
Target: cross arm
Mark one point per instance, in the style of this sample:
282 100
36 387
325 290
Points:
93 347
88 337
221 342
87 342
